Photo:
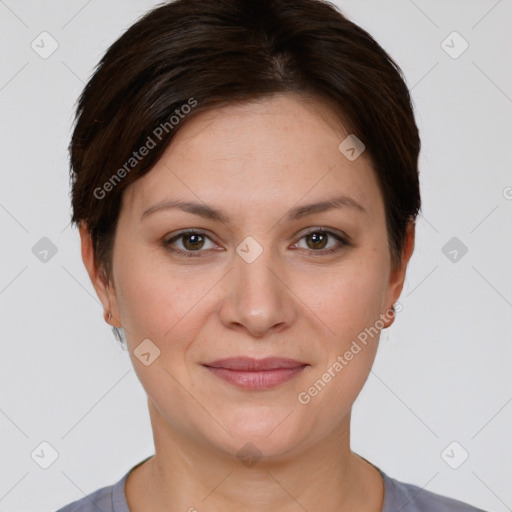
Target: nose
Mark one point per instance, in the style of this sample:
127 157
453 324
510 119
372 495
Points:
256 297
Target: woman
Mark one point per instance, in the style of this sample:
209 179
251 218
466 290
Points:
245 182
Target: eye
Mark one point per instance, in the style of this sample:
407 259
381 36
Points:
191 241
317 241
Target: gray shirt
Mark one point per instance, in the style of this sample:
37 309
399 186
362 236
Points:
398 497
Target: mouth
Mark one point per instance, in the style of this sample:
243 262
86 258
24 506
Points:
256 374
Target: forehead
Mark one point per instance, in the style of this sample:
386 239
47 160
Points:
277 150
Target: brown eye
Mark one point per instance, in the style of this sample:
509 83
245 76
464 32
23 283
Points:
191 242
318 241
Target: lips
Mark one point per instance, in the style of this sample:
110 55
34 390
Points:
248 364
256 374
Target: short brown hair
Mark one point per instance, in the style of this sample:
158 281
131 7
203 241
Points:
207 53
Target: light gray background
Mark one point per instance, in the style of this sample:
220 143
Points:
442 373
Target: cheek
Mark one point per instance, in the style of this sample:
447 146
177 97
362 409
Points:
167 310
346 306
345 300
349 306
160 301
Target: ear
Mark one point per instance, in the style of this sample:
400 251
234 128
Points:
104 290
397 276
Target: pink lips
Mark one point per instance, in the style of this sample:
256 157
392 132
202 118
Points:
256 374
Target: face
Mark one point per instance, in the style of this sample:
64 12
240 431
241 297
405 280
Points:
256 275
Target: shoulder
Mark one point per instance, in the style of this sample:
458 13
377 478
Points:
412 498
98 500
111 498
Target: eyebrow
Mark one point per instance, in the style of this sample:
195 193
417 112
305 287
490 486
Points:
298 212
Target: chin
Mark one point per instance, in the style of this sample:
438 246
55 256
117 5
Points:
271 432
258 448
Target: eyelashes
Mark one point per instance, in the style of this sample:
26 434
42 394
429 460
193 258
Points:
184 234
325 235
195 237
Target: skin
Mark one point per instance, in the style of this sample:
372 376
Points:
256 162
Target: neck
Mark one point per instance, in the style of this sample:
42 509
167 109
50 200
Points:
185 475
